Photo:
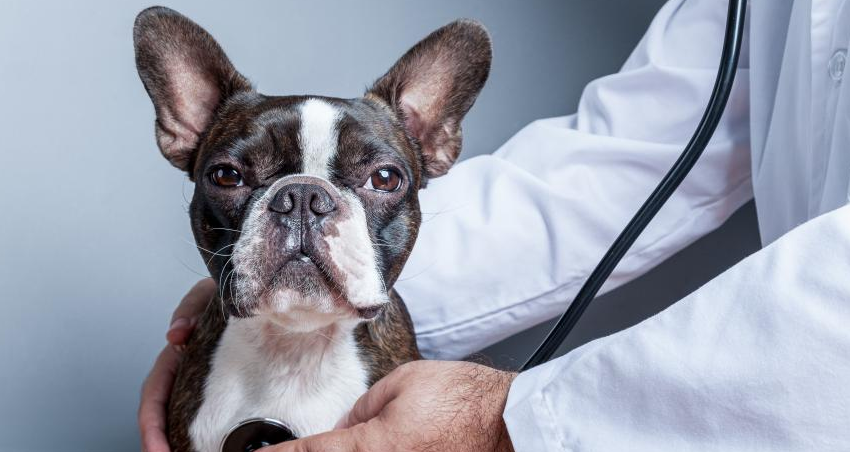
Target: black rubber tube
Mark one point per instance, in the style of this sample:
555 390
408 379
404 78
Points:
671 181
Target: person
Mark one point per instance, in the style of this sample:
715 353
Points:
757 359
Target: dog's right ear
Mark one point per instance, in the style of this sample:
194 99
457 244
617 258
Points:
187 76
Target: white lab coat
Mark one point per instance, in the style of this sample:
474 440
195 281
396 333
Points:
759 358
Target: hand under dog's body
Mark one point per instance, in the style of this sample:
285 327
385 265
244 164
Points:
305 209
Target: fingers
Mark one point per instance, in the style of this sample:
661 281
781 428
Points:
157 386
155 393
370 404
352 431
185 316
195 300
333 441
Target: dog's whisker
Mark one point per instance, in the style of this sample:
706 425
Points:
234 293
214 253
219 251
222 283
188 267
226 229
229 283
388 245
419 273
428 216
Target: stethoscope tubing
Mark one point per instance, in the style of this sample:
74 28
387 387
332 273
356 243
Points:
683 165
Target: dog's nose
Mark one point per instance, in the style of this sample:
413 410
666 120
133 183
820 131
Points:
291 199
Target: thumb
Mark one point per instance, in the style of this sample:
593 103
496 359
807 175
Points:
184 317
370 404
333 441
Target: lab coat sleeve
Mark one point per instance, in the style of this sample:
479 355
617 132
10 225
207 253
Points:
507 238
757 359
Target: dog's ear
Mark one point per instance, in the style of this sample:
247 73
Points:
187 76
433 86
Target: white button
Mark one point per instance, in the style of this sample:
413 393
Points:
837 63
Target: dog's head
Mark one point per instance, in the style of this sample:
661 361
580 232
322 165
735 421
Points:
305 207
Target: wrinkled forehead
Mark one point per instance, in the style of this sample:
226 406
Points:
311 135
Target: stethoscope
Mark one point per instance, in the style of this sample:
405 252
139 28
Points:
252 434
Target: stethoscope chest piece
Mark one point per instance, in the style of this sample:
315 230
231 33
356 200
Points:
252 434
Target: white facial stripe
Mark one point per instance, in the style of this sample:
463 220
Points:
352 253
318 136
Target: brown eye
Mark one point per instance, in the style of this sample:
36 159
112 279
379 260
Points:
384 179
226 176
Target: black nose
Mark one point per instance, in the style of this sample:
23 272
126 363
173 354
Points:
291 199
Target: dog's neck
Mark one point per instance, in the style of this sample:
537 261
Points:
280 343
306 379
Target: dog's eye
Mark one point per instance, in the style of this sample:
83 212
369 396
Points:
385 179
226 176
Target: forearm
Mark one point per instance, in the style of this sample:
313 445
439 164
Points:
731 367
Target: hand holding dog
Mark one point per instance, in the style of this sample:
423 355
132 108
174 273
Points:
422 405
157 387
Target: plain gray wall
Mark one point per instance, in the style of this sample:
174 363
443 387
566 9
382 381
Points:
95 246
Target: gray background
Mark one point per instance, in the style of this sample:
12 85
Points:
95 246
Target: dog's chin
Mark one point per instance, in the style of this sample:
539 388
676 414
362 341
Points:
306 321
299 297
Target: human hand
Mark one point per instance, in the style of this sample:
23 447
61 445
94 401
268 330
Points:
422 406
157 386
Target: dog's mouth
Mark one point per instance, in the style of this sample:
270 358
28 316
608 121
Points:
301 288
302 262
321 283
308 274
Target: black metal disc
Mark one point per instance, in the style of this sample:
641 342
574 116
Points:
252 434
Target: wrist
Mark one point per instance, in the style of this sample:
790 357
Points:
503 443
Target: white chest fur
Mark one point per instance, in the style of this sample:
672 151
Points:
306 380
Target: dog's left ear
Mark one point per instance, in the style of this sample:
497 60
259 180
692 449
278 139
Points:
433 86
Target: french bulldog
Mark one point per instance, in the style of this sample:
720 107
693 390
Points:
305 209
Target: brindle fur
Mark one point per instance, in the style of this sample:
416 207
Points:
187 394
388 341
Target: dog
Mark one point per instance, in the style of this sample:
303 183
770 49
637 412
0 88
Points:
305 209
